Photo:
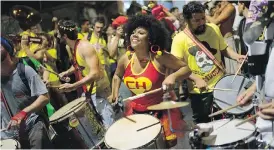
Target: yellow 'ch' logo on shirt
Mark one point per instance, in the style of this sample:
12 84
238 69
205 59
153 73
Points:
139 85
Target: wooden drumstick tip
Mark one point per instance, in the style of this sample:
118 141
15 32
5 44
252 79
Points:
239 68
223 110
246 120
130 119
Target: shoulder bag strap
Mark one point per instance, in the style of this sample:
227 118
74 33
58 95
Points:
204 49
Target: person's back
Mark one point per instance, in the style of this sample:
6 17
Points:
226 26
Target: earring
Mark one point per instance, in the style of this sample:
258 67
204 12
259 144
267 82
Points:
156 50
129 51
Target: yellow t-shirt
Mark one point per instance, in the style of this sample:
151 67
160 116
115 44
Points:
202 66
84 69
33 47
82 35
98 43
51 65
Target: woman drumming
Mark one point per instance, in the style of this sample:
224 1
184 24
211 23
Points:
143 69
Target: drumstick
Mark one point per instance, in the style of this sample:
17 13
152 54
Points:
66 79
130 119
224 110
223 89
246 120
54 86
239 69
148 126
142 95
49 70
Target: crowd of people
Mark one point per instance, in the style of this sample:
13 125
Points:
149 48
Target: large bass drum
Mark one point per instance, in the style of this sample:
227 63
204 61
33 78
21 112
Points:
86 129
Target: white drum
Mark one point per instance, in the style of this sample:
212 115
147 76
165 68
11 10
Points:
225 99
9 144
139 131
226 135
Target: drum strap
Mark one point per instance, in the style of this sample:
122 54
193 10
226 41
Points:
204 49
6 104
79 76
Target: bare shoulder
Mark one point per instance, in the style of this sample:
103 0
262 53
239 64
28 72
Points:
85 48
229 7
166 57
124 60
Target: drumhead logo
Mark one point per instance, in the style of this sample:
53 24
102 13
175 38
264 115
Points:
202 60
139 85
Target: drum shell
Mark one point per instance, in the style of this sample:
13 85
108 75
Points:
86 134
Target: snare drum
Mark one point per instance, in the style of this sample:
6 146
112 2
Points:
126 134
226 136
9 144
84 123
224 99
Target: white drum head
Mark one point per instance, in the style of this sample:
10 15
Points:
225 132
225 99
9 144
66 111
123 133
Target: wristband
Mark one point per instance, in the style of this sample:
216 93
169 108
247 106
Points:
22 115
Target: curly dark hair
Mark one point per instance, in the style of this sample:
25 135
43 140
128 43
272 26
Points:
192 7
158 34
68 27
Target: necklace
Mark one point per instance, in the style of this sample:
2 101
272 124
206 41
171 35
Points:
144 60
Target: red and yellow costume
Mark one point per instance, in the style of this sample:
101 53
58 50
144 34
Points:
149 79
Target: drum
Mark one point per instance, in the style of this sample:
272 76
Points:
82 122
224 99
9 144
135 131
226 136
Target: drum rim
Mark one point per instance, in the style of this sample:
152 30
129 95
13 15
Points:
242 140
65 116
18 145
214 99
142 145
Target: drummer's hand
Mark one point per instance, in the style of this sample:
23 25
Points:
200 84
246 96
46 81
24 41
63 74
67 87
267 111
240 58
169 82
112 99
17 119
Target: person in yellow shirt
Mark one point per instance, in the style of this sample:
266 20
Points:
57 99
85 29
99 43
116 47
205 74
87 65
28 48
